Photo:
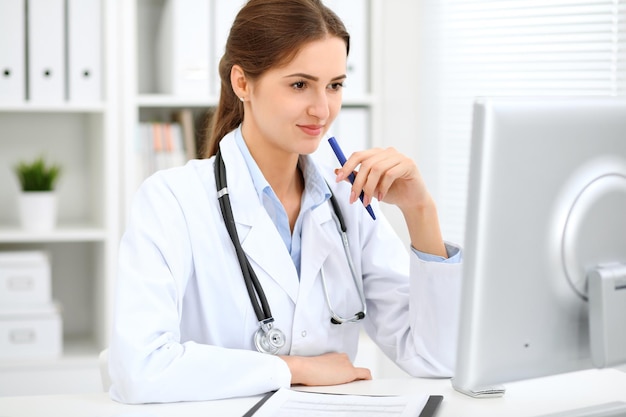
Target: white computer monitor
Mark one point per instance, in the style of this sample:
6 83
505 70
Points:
546 210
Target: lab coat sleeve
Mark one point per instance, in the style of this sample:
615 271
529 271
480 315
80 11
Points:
413 304
435 297
147 361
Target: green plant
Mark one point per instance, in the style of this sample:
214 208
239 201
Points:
37 175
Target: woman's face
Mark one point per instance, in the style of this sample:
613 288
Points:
290 108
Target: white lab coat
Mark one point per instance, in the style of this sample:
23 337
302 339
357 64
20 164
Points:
183 323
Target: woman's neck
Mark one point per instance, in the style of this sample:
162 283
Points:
284 176
280 169
287 181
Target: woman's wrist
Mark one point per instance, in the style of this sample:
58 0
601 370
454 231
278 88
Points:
326 369
423 225
293 363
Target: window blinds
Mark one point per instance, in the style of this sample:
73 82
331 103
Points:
473 48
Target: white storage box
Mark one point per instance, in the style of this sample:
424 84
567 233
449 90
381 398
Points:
33 332
24 278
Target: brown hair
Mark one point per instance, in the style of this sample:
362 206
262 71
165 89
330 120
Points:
266 34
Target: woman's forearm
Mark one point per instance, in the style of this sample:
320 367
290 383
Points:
424 230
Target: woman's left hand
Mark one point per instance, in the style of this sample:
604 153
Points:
392 177
387 175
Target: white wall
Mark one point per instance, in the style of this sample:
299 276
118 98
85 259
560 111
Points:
400 79
397 83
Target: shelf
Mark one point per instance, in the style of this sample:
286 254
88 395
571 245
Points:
52 108
366 100
164 100
77 352
63 233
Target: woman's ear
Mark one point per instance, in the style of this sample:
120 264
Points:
239 82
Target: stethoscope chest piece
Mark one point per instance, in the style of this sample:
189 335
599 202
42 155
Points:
267 339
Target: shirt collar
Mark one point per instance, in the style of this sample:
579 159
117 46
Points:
316 190
259 181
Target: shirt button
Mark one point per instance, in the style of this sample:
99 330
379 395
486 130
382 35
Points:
303 334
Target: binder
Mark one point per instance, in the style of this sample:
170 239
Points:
185 118
183 48
12 47
158 146
224 13
46 51
354 15
84 51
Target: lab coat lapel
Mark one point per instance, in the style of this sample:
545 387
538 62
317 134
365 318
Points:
267 250
318 241
258 236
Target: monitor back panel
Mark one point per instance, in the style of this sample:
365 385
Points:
528 242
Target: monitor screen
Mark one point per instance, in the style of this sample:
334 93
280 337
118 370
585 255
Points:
546 208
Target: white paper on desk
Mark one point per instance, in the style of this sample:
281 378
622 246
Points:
288 403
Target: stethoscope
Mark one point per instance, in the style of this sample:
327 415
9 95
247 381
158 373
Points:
267 338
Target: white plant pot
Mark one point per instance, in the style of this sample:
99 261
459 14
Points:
38 210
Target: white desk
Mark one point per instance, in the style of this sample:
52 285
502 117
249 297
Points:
523 399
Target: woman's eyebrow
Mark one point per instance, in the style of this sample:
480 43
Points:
313 78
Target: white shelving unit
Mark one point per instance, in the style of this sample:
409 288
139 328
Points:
83 139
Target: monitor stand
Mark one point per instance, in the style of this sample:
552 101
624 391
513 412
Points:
492 391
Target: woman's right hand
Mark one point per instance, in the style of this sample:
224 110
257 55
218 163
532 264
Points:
327 369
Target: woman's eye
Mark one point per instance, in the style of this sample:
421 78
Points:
336 86
298 85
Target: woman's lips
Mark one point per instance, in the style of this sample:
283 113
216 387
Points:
312 130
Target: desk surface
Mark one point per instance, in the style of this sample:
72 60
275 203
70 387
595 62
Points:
522 399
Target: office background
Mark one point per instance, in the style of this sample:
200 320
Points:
108 90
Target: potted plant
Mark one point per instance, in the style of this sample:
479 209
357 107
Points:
38 200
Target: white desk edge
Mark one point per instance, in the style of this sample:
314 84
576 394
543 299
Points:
528 398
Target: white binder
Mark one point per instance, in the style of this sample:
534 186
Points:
183 48
12 59
84 51
354 15
46 51
224 14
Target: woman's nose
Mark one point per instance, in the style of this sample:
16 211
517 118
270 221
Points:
319 106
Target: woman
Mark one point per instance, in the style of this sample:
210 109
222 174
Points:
185 324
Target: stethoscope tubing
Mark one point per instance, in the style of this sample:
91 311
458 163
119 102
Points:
253 286
335 318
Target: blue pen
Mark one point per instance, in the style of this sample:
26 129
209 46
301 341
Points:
342 160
